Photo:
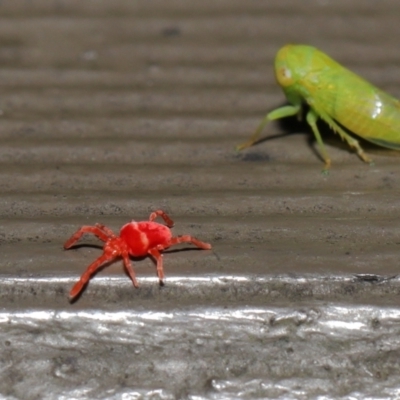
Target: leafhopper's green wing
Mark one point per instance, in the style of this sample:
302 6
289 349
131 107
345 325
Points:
356 104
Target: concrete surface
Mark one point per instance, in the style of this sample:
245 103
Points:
110 110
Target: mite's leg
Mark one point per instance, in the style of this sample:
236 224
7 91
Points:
95 230
312 121
353 143
129 269
163 215
159 259
90 270
186 239
156 251
106 230
282 112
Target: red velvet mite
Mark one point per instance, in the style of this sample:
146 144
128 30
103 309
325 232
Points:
135 239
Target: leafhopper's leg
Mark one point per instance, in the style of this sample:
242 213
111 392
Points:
282 112
312 118
353 143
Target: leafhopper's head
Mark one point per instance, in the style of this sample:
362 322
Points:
292 64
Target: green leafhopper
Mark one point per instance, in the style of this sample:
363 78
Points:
336 95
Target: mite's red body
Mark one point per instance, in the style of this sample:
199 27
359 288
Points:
136 239
142 236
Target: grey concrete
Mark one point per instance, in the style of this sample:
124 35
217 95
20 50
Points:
111 109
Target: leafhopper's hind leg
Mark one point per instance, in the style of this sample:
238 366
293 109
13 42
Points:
282 112
353 143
